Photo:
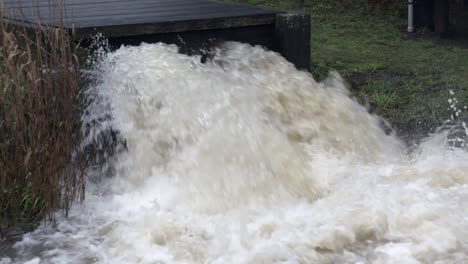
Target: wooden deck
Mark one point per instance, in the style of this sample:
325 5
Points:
191 24
116 18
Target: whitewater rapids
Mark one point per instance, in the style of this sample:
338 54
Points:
244 159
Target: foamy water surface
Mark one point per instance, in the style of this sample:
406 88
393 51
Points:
244 159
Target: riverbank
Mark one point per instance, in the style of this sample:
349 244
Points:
405 78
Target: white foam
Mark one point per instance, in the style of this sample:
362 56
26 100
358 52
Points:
244 159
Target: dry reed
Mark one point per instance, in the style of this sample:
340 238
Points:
41 167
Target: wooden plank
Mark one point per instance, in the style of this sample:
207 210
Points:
47 3
127 9
88 3
150 4
128 30
143 16
112 11
34 3
135 17
132 9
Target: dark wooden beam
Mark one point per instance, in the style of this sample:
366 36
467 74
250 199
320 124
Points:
293 36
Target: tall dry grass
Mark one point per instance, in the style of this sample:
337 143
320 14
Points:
41 167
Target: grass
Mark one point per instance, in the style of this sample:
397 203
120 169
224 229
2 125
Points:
404 78
40 165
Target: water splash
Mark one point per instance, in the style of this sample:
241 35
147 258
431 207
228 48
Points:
456 126
244 159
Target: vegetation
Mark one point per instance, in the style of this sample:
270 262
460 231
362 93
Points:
404 78
40 166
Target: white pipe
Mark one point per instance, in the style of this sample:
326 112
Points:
410 16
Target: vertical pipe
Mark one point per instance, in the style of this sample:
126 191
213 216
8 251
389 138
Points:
410 16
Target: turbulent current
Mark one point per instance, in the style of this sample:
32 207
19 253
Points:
244 159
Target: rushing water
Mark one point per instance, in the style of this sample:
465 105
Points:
244 159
